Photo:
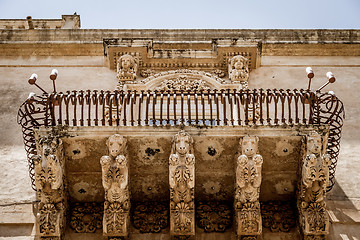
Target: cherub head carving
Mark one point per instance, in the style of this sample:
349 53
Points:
314 143
116 145
239 68
249 145
182 143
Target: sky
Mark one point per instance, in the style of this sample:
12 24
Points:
193 14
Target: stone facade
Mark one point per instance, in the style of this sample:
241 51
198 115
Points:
72 167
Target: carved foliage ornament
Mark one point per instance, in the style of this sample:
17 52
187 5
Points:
182 182
150 217
213 216
86 217
278 216
115 182
184 83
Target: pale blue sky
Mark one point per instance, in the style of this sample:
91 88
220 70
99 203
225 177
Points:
248 14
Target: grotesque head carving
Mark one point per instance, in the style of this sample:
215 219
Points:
116 145
182 143
314 143
239 69
249 145
126 62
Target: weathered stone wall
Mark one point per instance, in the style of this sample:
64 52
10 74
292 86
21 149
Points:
79 57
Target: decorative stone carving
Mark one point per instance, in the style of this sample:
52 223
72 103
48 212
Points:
278 216
150 217
115 179
219 73
182 182
213 216
183 83
147 73
247 188
86 217
49 182
313 218
239 69
127 67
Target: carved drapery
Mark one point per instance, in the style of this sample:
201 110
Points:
115 178
247 188
182 182
313 218
49 181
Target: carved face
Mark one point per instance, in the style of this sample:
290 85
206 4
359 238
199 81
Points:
116 145
238 65
249 145
314 143
182 143
127 62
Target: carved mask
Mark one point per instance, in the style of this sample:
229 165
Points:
116 145
182 144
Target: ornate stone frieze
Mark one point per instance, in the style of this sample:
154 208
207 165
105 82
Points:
239 69
115 179
183 82
127 67
213 216
86 217
247 188
278 216
49 181
313 217
150 217
182 182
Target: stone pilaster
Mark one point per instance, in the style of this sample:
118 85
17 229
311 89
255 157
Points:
115 179
49 180
182 183
247 189
314 172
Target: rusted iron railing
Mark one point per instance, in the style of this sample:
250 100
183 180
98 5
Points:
199 108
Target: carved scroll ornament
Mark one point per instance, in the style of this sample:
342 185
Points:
182 182
115 182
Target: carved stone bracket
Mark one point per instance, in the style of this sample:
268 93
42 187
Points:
182 183
313 218
49 181
247 188
115 179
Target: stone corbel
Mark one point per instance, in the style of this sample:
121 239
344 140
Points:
313 217
115 180
49 181
247 189
182 183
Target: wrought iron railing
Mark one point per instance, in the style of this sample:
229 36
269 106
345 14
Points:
199 108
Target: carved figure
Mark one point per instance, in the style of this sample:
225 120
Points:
315 176
182 182
126 68
248 181
49 182
115 182
238 69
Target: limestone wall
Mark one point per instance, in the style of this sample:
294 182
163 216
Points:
81 65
